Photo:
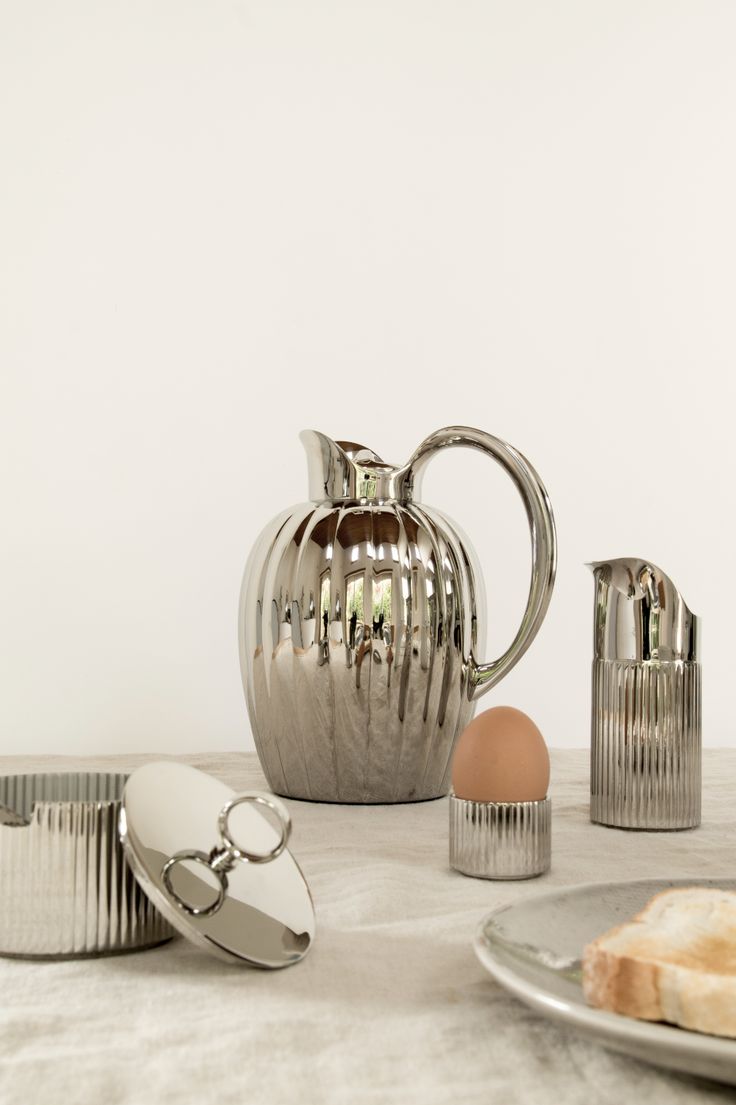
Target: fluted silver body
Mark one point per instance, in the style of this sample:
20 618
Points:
500 840
646 701
65 886
362 618
646 747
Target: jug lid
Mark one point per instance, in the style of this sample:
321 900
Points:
640 614
216 866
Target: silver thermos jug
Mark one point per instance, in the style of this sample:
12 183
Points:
362 624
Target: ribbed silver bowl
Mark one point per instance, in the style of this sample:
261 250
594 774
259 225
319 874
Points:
65 886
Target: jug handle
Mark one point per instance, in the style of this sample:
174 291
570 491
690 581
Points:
483 676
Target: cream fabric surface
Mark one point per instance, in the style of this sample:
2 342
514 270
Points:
391 1005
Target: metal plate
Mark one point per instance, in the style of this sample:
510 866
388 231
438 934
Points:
264 918
533 949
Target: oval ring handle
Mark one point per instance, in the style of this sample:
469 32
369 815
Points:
202 858
256 798
483 676
224 856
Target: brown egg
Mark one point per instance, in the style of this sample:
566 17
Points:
501 757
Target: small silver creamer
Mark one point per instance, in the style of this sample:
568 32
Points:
646 713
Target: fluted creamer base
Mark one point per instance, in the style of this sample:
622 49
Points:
646 744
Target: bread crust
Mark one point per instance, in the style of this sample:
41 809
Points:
674 961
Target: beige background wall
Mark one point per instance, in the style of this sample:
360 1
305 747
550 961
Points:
221 222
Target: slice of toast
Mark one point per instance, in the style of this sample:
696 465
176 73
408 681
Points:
675 961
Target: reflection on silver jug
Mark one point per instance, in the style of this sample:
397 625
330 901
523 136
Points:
361 619
646 716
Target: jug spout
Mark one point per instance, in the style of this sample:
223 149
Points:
345 470
328 466
640 614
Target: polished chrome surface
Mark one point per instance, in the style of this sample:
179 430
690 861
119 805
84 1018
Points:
215 865
191 856
646 749
500 840
224 856
66 889
240 852
362 620
640 614
646 702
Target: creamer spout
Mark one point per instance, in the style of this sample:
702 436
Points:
640 614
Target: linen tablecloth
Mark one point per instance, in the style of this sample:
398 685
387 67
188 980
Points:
390 1005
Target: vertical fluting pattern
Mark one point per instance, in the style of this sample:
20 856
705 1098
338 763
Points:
357 629
65 886
646 744
500 840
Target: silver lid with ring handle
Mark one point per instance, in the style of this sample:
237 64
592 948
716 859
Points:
216 866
